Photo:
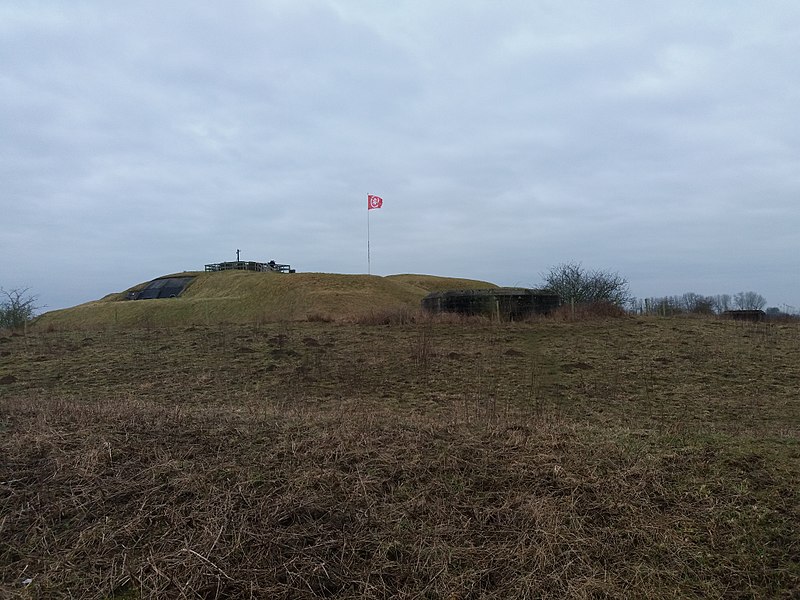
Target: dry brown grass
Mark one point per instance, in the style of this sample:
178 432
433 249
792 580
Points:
631 458
395 316
586 312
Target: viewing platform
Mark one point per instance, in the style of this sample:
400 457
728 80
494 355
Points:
248 265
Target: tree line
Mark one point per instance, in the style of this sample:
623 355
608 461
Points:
698 304
577 285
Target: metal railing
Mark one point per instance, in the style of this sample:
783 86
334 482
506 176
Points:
248 265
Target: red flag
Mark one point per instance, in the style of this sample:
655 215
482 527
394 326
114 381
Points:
374 202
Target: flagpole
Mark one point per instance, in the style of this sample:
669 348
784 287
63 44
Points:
372 202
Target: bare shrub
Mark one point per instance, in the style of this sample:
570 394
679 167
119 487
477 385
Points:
578 285
17 309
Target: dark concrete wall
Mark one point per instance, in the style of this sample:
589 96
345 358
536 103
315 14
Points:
745 315
508 304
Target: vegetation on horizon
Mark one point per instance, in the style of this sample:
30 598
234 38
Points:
697 304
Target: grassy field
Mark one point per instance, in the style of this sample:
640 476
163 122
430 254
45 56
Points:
624 458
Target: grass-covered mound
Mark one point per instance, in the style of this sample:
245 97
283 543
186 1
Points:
248 297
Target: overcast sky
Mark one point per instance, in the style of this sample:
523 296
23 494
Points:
657 139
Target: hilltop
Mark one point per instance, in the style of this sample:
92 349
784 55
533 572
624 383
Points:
248 297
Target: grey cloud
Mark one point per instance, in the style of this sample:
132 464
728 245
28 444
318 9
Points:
655 139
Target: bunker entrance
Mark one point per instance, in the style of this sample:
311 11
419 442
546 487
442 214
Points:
167 287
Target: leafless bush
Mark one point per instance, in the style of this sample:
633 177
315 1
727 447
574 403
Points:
17 308
578 285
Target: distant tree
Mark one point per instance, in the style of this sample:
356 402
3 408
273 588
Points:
670 305
749 301
690 302
17 308
773 311
573 283
659 306
697 304
722 302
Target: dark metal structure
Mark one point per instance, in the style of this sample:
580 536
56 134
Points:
507 304
167 287
248 265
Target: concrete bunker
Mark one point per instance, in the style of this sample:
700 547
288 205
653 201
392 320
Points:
506 304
